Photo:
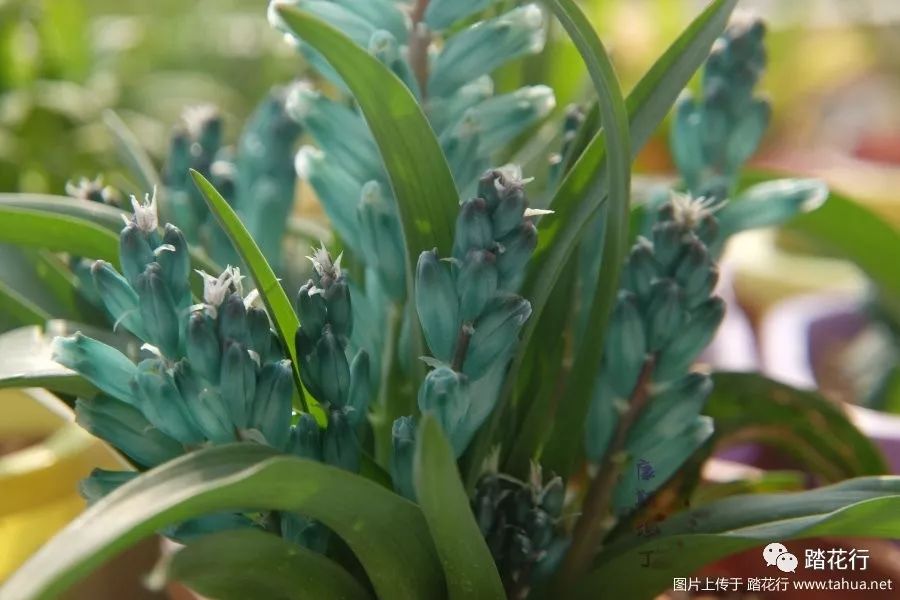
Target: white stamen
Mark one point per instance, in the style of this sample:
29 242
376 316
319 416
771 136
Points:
145 215
216 289
689 211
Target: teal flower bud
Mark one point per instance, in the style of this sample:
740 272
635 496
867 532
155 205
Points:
441 14
340 313
233 320
260 331
381 238
771 203
675 358
476 283
305 440
203 347
104 366
312 311
462 148
667 244
491 187
509 212
686 142
495 332
383 14
509 115
385 48
101 482
310 370
118 297
339 445
237 382
437 305
352 22
708 230
747 132
693 268
339 131
271 410
176 264
669 410
403 443
446 112
127 429
626 345
209 411
445 394
334 379
134 253
162 404
665 314
158 311
642 269
335 188
514 252
358 395
486 46
473 228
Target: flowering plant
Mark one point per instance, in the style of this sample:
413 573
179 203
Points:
491 391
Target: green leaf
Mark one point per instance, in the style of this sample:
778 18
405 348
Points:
639 567
387 533
584 189
59 233
101 214
19 309
420 178
747 407
562 449
79 227
468 565
270 290
132 153
246 563
27 363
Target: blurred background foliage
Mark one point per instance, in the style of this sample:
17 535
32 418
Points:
834 76
62 62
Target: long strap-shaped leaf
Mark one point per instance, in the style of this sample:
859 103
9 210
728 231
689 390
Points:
59 233
419 176
101 214
642 568
387 533
131 151
614 117
468 564
270 290
247 563
584 189
106 217
19 309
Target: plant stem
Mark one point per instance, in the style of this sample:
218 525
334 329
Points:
419 41
462 347
595 521
383 423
